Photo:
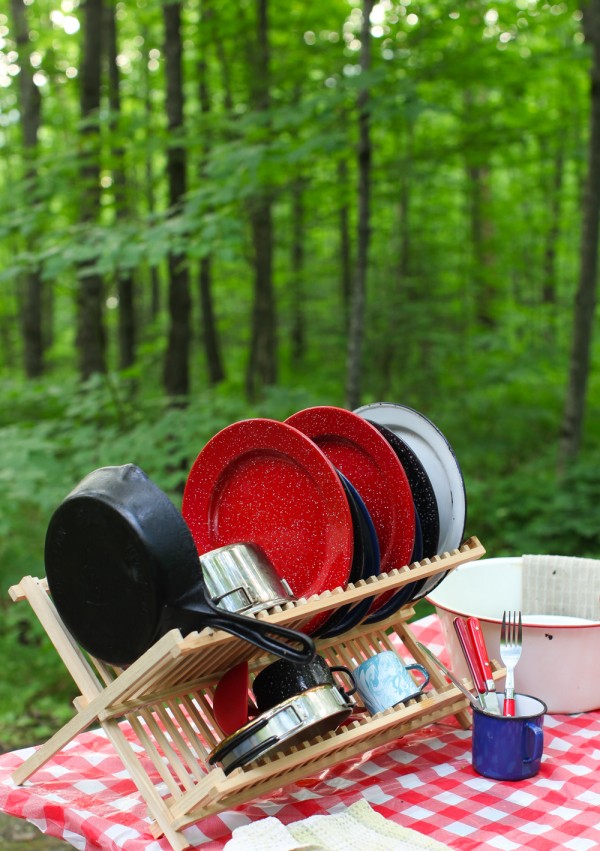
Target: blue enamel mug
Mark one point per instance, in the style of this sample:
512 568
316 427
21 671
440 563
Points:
384 681
509 748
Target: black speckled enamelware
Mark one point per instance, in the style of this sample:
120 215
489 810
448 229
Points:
365 562
421 487
283 679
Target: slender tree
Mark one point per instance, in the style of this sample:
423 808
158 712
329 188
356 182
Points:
212 348
125 280
479 197
30 103
297 272
91 338
149 179
585 299
345 253
549 275
359 284
405 291
176 368
262 363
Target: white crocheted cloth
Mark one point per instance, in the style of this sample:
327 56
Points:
561 585
357 828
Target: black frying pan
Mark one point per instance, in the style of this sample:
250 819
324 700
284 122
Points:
123 570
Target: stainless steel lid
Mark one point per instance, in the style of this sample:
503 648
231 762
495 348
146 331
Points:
311 713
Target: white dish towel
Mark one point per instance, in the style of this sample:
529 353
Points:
357 828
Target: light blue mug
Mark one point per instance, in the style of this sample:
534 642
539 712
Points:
384 680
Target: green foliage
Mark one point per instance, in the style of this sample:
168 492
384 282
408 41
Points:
479 124
531 512
35 689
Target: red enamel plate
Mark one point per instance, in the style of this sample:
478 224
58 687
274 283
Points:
264 482
363 455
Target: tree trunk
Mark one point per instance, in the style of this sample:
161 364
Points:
585 300
212 349
219 41
125 281
262 363
478 192
481 236
357 304
48 316
552 235
30 106
150 179
345 252
405 291
91 339
298 323
176 369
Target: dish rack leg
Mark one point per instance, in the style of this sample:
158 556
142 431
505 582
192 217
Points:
62 737
155 803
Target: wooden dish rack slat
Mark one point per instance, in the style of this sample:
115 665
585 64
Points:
166 697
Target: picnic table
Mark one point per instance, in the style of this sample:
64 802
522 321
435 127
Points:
424 781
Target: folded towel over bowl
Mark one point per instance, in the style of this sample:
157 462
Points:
561 585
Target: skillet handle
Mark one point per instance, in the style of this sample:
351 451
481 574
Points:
295 646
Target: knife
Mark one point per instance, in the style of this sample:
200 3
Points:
478 640
456 682
468 650
488 701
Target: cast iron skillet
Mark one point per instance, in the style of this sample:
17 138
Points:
123 570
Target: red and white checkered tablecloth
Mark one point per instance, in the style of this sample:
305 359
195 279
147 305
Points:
425 782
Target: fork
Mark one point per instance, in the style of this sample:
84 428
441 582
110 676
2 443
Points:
511 640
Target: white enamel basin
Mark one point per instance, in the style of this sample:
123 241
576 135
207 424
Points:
559 660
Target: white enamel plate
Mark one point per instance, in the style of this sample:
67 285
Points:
440 463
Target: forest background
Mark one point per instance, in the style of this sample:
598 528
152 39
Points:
215 211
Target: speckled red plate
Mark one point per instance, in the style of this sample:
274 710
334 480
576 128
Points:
266 483
365 457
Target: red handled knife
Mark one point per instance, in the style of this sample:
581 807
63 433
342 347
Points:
478 640
488 701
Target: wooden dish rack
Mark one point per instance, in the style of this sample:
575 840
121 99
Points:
166 697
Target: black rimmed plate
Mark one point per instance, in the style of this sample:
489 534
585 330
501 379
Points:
349 616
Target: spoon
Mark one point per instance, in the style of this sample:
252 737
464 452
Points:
450 675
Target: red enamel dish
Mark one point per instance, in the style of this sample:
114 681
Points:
265 482
363 455
231 699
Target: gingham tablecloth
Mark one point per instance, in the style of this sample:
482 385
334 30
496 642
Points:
425 782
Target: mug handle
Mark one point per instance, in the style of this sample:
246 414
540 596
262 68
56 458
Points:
422 670
538 741
343 670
